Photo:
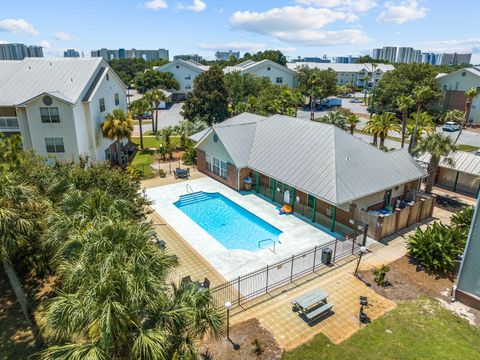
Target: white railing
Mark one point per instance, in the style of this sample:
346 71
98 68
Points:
9 123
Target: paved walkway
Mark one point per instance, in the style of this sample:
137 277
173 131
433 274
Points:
170 179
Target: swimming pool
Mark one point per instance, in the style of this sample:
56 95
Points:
227 222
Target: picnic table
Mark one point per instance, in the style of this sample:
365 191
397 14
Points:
312 304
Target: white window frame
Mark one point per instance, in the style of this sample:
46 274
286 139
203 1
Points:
49 114
216 166
54 145
116 98
101 103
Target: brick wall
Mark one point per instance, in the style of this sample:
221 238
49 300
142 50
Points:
244 173
231 179
455 100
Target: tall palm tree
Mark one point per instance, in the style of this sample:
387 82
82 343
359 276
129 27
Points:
421 94
117 125
352 122
404 104
440 148
138 108
422 124
155 97
381 125
469 95
334 118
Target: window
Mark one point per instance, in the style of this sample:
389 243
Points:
102 104
49 115
188 77
444 87
188 87
279 80
117 99
216 166
54 145
310 201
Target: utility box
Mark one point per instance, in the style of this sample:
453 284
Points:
327 256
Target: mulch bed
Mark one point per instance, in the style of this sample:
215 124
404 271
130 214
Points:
242 334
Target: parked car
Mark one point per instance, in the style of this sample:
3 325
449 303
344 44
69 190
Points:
329 103
345 96
356 101
477 152
451 126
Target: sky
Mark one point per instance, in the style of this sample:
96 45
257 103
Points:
296 27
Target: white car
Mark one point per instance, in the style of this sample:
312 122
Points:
451 126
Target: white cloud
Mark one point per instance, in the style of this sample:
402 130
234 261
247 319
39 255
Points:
295 24
62 36
4 42
156 4
461 45
197 6
45 44
238 46
403 11
17 25
352 5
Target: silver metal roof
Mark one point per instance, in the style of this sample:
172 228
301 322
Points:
465 162
251 64
65 78
338 67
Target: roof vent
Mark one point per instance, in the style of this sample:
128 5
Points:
50 63
29 68
347 159
71 79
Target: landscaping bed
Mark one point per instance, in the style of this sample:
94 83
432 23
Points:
243 334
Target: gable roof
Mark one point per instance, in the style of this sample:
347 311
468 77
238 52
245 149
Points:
250 65
188 63
473 70
316 158
339 67
465 162
64 78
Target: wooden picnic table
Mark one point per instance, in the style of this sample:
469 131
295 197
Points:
310 300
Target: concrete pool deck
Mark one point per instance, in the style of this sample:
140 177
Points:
297 235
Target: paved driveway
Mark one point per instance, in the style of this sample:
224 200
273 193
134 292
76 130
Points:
169 117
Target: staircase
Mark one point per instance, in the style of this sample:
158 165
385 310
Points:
194 197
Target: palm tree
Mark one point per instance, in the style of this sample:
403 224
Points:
453 115
352 121
138 108
155 98
422 124
117 125
381 125
334 118
440 148
469 95
421 95
404 104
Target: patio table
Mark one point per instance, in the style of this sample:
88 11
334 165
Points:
310 300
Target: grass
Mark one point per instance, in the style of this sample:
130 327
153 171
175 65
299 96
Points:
152 142
420 329
142 162
468 148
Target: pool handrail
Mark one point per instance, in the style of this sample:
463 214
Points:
189 189
273 241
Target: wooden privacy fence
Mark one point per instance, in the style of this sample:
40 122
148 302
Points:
380 227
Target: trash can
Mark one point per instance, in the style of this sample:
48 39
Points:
248 183
327 256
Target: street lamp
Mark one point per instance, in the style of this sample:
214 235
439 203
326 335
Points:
228 306
363 250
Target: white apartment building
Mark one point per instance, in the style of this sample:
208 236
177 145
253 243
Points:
185 73
355 74
57 105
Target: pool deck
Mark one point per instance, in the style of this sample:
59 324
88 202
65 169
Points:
297 235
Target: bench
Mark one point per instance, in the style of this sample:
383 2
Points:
317 312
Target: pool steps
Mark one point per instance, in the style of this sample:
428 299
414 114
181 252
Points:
192 198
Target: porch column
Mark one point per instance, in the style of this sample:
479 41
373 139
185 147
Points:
257 181
456 181
274 188
314 208
293 198
334 214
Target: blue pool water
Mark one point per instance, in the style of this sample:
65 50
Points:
230 224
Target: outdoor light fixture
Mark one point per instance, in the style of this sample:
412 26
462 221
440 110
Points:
228 305
363 250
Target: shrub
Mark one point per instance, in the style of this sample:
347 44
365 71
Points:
437 247
379 275
189 156
463 219
257 347
162 173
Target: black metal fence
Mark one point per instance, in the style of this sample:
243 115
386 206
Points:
246 288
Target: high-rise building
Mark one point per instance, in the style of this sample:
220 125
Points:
404 55
313 59
459 59
19 51
430 58
225 55
160 54
416 56
192 57
345 59
71 53
389 53
377 54
446 59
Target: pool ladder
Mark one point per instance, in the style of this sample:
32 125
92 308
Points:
264 240
189 189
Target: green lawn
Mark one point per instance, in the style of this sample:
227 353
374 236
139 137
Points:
142 162
152 142
469 148
420 329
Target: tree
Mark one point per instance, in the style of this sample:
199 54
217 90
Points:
126 69
334 118
404 104
273 55
10 149
316 84
381 125
422 95
153 79
454 115
352 122
155 97
439 147
469 95
401 81
138 108
209 100
241 86
117 125
422 125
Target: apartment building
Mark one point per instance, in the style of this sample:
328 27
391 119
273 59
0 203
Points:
107 54
19 51
72 53
193 57
57 106
225 55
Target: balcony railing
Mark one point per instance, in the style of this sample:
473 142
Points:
9 123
